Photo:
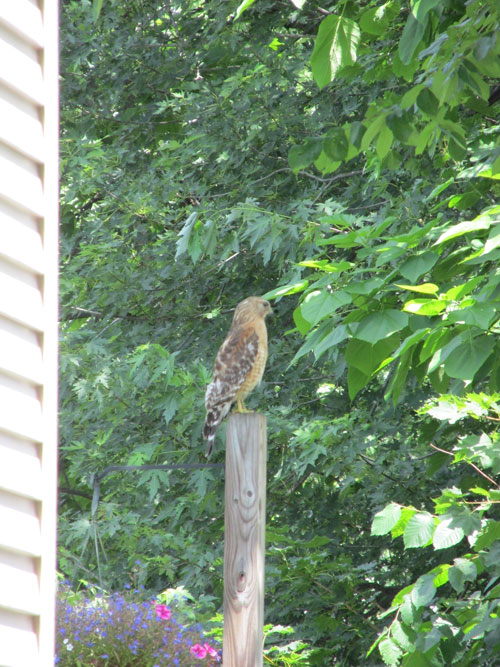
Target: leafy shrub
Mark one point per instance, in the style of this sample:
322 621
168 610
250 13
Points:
108 630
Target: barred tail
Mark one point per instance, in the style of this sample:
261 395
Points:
212 420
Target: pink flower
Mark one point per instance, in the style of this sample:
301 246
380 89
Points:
163 612
210 650
198 651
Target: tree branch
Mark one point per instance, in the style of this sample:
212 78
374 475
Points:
483 474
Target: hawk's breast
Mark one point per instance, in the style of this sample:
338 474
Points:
256 372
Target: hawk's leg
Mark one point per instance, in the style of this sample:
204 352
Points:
240 407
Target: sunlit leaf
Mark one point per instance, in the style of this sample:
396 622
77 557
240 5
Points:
464 228
243 6
390 651
385 520
447 534
425 288
427 307
335 47
284 290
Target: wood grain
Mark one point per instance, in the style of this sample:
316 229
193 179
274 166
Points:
245 512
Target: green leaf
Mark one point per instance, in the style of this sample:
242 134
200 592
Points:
325 165
459 291
399 378
440 574
320 304
407 611
400 124
185 235
478 315
399 528
446 411
302 325
372 130
410 97
464 228
423 591
384 142
405 71
365 287
171 406
335 47
493 240
210 237
488 534
457 149
447 535
410 39
410 341
428 102
335 144
313 339
367 357
325 265
380 325
390 651
464 201
285 290
464 362
356 380
96 9
376 20
420 8
419 530
356 130
301 156
463 570
427 307
439 189
402 636
417 659
415 267
385 520
425 288
243 6
443 349
424 137
332 339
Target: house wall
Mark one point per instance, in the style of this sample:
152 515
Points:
28 329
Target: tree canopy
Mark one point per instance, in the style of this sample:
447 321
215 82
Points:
344 162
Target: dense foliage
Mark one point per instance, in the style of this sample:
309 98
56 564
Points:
344 160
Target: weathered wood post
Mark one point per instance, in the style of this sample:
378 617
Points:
245 522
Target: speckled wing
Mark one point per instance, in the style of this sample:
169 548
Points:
233 363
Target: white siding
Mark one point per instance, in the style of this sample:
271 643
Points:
28 330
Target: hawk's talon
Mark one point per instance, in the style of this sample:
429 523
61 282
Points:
240 407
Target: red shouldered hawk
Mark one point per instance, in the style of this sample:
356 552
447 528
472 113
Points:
239 364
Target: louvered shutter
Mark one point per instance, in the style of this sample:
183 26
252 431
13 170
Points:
28 330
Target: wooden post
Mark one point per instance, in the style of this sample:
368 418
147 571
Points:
245 522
